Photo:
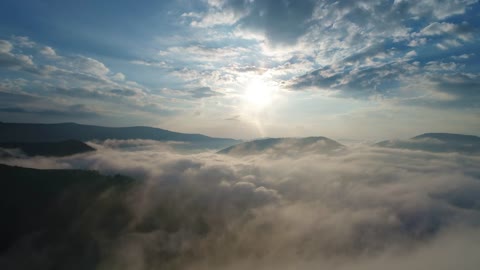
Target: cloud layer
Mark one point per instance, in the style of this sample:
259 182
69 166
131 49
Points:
365 208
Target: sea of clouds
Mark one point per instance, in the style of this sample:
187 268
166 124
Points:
358 208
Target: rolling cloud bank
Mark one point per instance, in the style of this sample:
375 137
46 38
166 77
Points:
363 207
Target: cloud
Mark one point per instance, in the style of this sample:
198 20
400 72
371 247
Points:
48 52
119 76
417 42
214 18
203 92
68 80
10 60
15 98
90 66
367 52
411 54
67 112
23 42
199 54
5 46
123 92
356 82
287 21
437 28
462 85
365 208
159 64
280 22
191 93
439 83
463 56
437 8
346 49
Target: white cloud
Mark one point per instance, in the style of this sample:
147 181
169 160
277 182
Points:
204 54
15 61
411 54
216 18
5 46
463 56
90 66
23 42
417 42
159 64
74 79
439 9
119 76
48 52
437 28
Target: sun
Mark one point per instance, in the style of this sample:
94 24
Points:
258 93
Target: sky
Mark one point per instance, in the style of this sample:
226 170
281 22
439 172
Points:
362 70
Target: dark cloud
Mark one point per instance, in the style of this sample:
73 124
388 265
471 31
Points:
27 107
233 118
203 92
67 112
79 92
15 98
365 53
123 92
14 110
359 82
461 85
280 21
283 22
385 80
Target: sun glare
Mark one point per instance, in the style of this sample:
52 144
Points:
258 93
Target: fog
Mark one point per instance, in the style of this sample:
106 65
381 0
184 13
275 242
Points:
359 208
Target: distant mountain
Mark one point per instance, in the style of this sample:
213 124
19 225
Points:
21 132
437 142
283 146
54 149
449 137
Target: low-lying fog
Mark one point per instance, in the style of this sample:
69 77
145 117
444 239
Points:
355 208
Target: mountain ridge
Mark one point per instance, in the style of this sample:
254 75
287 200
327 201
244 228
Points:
54 149
283 145
45 201
32 132
437 142
446 136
